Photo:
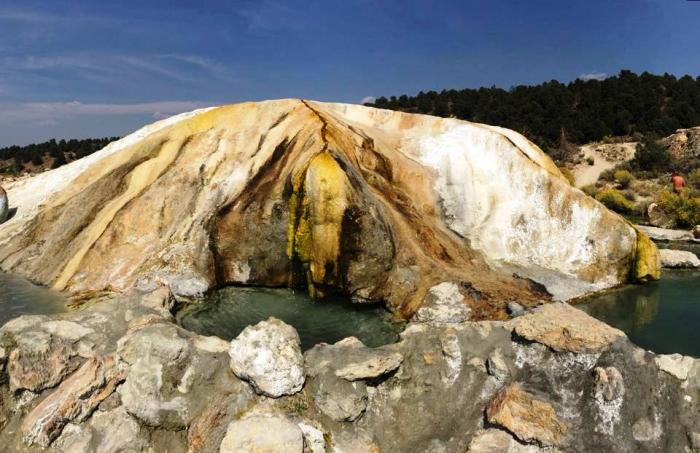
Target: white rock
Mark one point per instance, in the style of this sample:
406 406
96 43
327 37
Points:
663 234
66 329
679 259
268 355
211 344
675 364
313 439
21 323
263 434
377 363
443 303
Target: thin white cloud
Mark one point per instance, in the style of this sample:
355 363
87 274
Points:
368 100
48 112
270 15
182 68
593 76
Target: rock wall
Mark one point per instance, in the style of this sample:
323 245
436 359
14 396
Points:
375 204
120 376
684 143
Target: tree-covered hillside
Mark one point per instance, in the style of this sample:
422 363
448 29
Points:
50 154
580 111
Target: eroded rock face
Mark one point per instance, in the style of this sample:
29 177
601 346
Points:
75 400
374 204
268 355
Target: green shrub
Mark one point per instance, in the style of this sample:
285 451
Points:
694 179
568 175
615 200
590 160
591 190
682 208
623 177
651 156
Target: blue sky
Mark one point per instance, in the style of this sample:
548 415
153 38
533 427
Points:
96 68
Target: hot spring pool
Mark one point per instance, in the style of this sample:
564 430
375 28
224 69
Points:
226 312
661 316
19 297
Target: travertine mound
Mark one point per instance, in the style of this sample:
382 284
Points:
375 204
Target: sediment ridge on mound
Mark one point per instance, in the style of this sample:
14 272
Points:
374 204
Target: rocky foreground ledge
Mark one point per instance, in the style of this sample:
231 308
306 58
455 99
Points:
122 376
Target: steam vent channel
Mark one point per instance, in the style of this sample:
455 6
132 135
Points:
299 276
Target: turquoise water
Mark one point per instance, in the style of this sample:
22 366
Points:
662 316
20 297
225 313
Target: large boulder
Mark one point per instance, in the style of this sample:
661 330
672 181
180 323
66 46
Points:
268 356
376 205
658 217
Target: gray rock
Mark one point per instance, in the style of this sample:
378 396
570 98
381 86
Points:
337 398
696 232
152 392
142 395
74 438
658 218
496 365
268 356
116 431
263 434
679 259
4 205
443 303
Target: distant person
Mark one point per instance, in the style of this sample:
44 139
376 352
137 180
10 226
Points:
678 182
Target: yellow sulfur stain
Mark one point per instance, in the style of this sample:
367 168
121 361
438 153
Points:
317 207
647 262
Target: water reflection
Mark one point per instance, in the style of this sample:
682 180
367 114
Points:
226 312
20 297
661 316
